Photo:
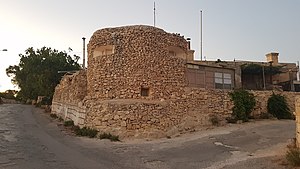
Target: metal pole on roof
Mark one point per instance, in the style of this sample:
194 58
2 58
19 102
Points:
154 14
201 35
83 54
264 79
298 72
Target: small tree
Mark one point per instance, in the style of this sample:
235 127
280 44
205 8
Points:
244 103
277 106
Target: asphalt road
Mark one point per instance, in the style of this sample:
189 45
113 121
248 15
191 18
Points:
30 139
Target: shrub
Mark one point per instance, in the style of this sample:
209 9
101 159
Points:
244 103
53 115
214 120
277 106
109 136
85 131
60 119
69 123
293 156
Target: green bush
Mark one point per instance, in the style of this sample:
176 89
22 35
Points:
244 103
293 156
277 106
52 115
109 136
85 131
69 123
214 120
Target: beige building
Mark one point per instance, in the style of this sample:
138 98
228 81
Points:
267 75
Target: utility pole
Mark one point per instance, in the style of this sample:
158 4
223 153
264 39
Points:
83 54
298 72
263 74
201 51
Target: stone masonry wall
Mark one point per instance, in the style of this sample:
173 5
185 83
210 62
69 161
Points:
297 105
263 96
153 119
68 98
140 59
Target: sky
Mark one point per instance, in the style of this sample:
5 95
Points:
232 29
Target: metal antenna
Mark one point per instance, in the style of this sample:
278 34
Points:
83 53
201 51
154 14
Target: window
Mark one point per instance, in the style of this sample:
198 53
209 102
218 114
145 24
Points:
104 50
177 52
223 80
172 53
144 91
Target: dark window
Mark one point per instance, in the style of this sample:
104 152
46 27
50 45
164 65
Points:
144 91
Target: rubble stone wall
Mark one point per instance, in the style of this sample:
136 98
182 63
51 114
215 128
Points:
142 118
69 97
140 58
263 96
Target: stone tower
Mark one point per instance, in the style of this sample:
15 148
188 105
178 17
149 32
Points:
133 62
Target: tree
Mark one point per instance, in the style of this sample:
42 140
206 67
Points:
37 73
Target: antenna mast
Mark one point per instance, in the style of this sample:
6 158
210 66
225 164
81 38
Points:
201 51
154 14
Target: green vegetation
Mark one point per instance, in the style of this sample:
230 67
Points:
9 94
60 119
244 103
277 106
293 154
52 115
69 123
85 131
215 121
109 136
258 69
37 72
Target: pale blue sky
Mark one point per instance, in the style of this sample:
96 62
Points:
240 29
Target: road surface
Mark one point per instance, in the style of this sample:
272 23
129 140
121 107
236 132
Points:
30 139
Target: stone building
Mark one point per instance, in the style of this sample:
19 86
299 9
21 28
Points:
142 82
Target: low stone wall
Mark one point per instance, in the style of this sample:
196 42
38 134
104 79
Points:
262 100
76 113
68 98
142 118
153 119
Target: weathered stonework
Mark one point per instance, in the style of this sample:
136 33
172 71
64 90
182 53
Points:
297 105
263 96
68 98
136 86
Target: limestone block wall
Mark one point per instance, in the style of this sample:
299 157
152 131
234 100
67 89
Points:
153 119
68 99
